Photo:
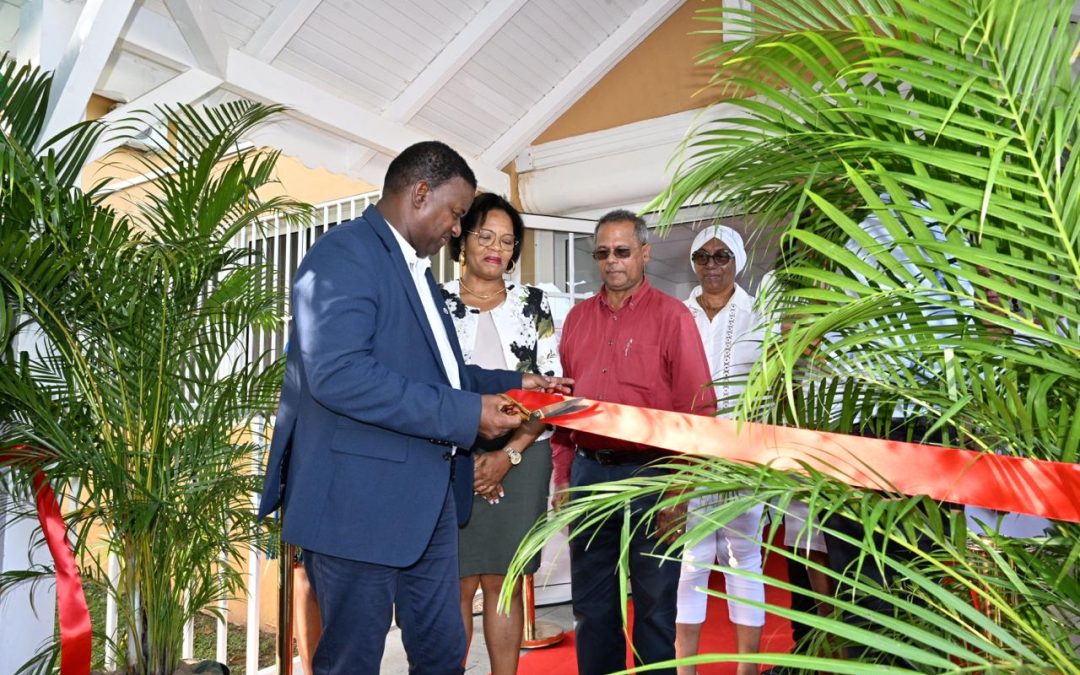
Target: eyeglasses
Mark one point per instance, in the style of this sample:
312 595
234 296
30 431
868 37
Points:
487 238
602 254
721 257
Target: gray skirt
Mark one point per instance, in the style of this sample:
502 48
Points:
489 540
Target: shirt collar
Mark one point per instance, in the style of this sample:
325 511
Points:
411 259
640 294
739 298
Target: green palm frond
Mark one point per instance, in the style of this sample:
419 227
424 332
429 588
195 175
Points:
24 100
141 392
919 160
955 602
193 194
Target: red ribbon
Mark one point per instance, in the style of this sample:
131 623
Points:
75 637
1012 484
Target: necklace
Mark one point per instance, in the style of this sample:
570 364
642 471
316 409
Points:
711 311
481 295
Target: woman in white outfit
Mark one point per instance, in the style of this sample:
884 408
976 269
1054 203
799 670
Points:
730 331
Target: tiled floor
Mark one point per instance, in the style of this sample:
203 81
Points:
395 662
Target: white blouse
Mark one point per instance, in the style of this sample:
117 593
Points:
488 350
732 342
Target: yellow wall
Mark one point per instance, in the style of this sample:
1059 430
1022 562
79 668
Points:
293 178
98 106
659 77
313 185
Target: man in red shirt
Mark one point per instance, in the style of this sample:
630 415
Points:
635 345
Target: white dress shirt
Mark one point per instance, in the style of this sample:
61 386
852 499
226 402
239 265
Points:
418 268
732 341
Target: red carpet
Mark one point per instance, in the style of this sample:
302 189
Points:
716 637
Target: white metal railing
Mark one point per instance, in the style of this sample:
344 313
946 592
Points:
111 613
282 245
251 644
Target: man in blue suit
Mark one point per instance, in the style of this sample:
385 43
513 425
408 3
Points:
376 405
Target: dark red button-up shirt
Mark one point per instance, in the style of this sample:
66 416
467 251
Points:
647 353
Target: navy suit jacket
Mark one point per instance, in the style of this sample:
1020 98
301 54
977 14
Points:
359 460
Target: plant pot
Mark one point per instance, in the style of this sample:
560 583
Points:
193 667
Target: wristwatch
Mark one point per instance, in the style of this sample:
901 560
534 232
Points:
514 455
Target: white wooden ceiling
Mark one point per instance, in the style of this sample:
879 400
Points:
363 78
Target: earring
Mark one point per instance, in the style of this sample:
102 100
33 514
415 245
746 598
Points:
510 267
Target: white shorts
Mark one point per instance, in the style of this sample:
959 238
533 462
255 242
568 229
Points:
796 532
737 545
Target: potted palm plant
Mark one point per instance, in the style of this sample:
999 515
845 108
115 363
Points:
135 407
953 123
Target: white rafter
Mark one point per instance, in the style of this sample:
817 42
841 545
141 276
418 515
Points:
201 32
44 28
587 73
450 60
79 69
251 77
184 88
157 38
278 28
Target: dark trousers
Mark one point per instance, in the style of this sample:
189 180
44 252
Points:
843 555
357 600
799 576
594 555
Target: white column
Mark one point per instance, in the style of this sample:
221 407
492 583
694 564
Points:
26 613
112 614
251 656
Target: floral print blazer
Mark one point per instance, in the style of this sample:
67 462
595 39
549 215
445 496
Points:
524 323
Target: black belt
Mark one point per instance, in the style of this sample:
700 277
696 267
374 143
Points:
616 457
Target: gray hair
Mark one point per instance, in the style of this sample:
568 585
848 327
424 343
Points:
641 229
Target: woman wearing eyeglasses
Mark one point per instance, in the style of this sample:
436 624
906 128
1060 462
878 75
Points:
730 332
500 324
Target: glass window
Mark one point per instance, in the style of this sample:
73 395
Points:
560 264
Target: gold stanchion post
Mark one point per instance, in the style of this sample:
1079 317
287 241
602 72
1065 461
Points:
537 634
285 613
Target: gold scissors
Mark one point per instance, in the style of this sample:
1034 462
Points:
512 407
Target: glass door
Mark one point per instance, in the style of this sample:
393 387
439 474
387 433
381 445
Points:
556 257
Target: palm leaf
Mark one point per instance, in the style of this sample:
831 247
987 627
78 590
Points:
918 160
140 392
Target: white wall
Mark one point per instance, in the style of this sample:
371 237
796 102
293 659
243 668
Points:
26 619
